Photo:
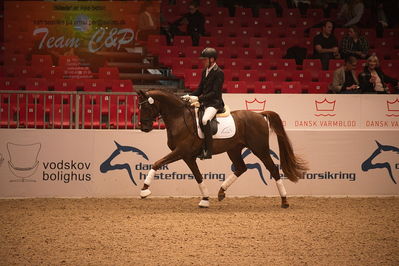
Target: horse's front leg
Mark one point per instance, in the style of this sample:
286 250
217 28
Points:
192 164
170 158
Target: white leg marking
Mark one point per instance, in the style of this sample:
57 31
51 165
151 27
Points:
229 181
149 177
281 188
204 190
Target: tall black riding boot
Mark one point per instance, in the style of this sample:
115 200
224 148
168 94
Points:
207 141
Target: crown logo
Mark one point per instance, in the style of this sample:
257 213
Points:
255 105
325 105
393 107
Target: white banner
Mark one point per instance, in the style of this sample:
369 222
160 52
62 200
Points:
110 163
324 111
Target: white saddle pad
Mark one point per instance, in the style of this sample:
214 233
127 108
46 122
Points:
226 127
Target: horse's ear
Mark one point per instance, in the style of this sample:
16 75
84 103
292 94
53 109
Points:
117 145
140 92
379 144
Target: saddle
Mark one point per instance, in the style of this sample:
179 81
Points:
214 123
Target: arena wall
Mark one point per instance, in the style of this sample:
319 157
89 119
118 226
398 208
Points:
351 143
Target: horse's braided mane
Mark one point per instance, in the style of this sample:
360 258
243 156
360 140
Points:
168 92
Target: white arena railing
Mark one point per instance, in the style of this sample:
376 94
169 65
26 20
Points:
63 109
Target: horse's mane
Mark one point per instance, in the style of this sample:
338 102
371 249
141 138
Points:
163 92
167 95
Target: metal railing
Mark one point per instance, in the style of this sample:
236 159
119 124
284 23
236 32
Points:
63 109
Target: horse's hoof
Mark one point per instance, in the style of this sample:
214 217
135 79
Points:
204 204
145 193
285 205
221 196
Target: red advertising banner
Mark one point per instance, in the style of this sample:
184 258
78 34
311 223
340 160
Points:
74 28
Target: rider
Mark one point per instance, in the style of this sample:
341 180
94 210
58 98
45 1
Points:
209 94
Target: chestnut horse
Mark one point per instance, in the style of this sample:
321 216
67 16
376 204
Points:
252 131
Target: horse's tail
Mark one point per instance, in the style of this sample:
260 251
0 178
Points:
292 165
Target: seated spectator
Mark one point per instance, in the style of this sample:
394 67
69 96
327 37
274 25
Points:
344 79
350 13
373 80
195 22
354 44
326 45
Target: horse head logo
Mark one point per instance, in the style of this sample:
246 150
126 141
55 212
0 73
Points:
384 156
256 165
119 159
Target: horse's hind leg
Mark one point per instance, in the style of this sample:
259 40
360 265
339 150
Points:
192 164
264 156
239 169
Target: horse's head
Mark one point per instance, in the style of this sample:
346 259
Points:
367 164
149 111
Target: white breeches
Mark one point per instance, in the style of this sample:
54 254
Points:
209 113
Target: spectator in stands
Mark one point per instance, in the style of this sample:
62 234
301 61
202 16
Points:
373 79
147 24
344 79
302 5
209 95
350 13
195 22
385 15
326 45
354 44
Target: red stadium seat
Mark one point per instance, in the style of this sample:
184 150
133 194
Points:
311 64
274 53
192 78
326 76
122 85
259 64
236 87
36 84
245 33
291 87
182 41
264 87
301 76
7 115
91 116
193 51
250 76
32 115
276 75
243 12
65 85
94 85
60 116
258 44
9 83
42 61
15 59
207 41
259 23
318 87
315 13
268 13
155 42
235 63
121 117
333 64
108 73
52 73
